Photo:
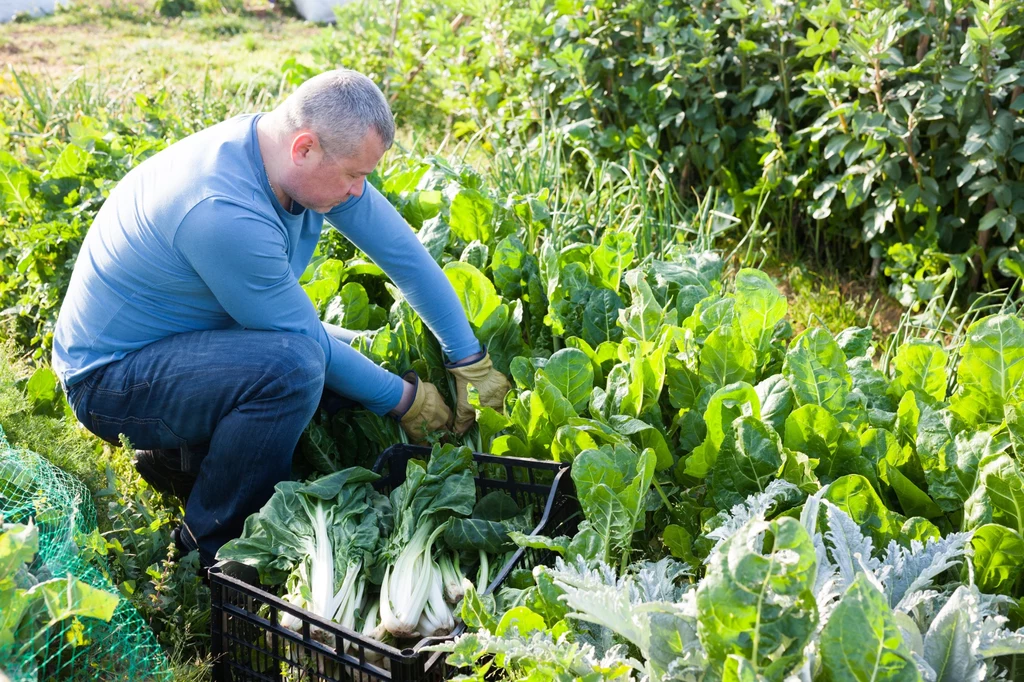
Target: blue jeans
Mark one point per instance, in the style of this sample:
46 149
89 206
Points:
243 397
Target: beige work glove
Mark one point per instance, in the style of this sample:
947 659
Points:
428 412
490 384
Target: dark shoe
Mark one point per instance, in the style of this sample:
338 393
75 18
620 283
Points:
185 544
162 470
182 540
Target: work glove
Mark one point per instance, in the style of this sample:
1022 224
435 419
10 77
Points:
428 411
491 385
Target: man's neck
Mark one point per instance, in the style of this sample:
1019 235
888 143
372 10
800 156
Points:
270 152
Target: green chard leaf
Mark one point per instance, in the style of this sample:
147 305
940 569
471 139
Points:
759 605
862 641
816 369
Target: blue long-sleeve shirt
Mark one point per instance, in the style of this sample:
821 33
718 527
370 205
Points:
193 239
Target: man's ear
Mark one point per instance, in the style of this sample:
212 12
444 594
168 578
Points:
305 148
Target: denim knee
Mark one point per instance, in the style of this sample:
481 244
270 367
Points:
302 360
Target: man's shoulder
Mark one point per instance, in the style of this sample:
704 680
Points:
211 170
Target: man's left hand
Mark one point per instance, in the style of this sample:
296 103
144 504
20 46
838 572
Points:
491 385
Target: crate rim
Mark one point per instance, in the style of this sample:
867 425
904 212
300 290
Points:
479 457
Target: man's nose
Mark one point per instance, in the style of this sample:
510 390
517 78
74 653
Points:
357 189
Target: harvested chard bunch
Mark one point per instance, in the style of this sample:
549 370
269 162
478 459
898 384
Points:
412 599
319 539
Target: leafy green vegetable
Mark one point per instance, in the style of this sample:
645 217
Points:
920 366
991 371
816 369
612 484
320 539
998 556
862 640
750 457
759 605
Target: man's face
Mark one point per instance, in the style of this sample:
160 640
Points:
320 183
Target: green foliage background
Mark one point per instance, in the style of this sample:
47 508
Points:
888 135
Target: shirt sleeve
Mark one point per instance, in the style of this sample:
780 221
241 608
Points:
242 257
378 230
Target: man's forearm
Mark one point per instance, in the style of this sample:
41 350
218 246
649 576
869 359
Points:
375 227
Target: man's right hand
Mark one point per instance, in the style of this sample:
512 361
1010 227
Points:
427 413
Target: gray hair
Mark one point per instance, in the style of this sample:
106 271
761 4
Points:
340 107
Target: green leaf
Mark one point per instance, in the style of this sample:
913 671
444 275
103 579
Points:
920 529
727 403
475 612
610 519
571 293
319 448
816 369
475 291
777 401
739 669
521 618
478 534
69 597
42 386
490 421
812 430
598 467
547 404
908 417
999 477
600 317
683 384
952 473
726 358
680 543
571 372
349 309
72 162
18 545
611 485
545 599
422 206
323 283
750 458
997 553
862 641
434 237
759 605
644 318
507 266
920 366
855 342
991 371
15 188
470 216
759 307
557 545
913 500
476 254
854 495
611 258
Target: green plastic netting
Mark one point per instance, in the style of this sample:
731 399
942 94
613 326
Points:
82 648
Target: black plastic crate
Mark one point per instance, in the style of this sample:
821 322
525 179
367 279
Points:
249 643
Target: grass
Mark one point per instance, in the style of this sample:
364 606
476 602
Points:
826 299
115 41
60 441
